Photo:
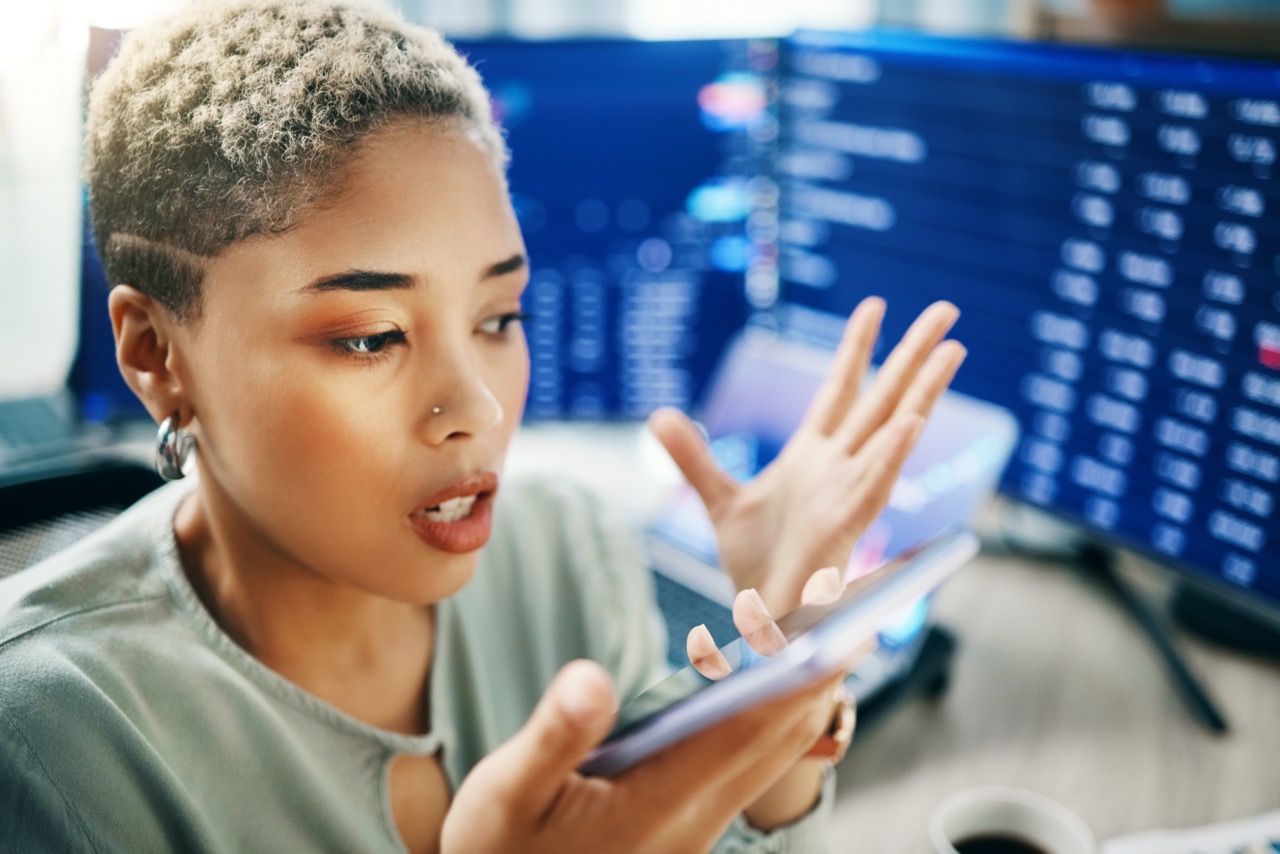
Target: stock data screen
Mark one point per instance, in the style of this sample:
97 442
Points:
1107 223
631 174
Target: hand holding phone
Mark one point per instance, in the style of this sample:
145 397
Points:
528 796
818 640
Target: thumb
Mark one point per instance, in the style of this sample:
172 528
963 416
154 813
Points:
576 712
687 447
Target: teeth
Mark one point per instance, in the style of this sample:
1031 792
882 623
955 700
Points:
453 510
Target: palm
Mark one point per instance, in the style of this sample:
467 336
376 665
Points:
808 508
791 519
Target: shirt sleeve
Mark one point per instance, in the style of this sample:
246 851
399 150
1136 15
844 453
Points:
806 835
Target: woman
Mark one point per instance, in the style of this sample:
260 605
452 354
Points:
336 636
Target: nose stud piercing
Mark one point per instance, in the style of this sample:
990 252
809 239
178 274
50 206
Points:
436 410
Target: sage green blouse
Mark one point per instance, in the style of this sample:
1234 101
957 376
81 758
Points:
129 722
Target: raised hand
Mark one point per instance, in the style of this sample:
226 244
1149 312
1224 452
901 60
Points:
527 796
808 508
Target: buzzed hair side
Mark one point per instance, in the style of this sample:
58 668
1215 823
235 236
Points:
231 119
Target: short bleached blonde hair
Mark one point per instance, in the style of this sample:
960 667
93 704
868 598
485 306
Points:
232 119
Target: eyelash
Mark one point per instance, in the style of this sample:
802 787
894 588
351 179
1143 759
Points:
505 320
375 345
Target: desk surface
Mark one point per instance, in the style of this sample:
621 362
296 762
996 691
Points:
1054 689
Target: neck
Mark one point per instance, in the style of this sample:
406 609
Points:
367 655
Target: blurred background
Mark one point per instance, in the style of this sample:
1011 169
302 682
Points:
44 49
1090 180
708 187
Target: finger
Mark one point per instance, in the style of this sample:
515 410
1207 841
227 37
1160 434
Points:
756 625
527 773
886 451
878 465
764 776
687 447
793 734
823 587
848 368
705 762
896 374
703 654
938 371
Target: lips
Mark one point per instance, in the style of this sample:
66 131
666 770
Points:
459 518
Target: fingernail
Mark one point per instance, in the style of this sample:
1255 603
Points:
699 642
713 666
753 596
767 639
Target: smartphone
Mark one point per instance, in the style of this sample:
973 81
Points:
819 639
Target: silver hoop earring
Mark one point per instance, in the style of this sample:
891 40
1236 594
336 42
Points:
173 449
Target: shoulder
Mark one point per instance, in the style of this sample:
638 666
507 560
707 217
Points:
560 579
71 628
564 576
80 767
70 622
117 565
43 815
60 734
89 643
556 506
560 537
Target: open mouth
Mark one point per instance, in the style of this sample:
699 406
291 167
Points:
452 510
459 518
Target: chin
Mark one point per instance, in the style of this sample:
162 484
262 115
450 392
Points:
431 580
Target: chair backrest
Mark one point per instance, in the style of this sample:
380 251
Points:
42 516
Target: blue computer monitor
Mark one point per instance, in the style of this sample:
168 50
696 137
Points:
1107 222
631 173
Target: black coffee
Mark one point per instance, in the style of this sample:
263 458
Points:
997 843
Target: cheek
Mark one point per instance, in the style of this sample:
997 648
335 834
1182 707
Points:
284 421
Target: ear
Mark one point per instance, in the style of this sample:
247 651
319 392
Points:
147 354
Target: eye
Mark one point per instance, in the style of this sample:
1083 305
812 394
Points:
368 345
498 324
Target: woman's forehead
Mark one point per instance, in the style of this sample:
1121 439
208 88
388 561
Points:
420 202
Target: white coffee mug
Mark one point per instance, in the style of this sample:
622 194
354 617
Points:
995 811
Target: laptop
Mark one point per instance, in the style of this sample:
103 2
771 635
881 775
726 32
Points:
754 401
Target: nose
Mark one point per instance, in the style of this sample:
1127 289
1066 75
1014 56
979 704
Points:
461 403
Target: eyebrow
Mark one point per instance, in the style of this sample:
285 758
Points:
368 280
360 280
502 268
